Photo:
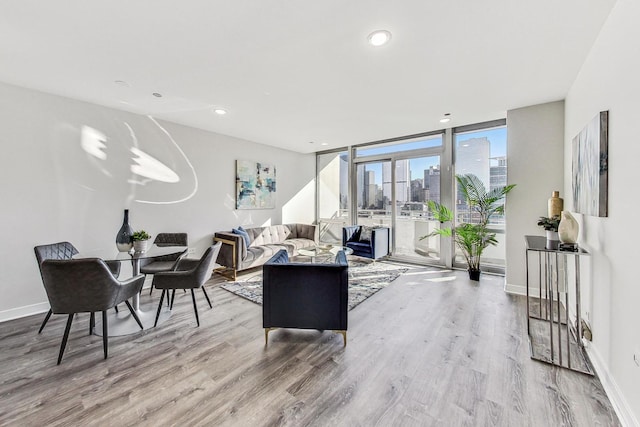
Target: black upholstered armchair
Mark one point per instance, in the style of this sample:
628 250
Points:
63 250
368 242
305 296
86 286
189 274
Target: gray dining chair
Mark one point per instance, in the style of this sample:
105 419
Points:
86 286
167 262
190 274
63 250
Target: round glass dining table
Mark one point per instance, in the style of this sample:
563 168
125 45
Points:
122 322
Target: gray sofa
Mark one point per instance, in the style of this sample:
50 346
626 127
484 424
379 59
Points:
264 242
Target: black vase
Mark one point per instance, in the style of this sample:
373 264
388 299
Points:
474 274
124 238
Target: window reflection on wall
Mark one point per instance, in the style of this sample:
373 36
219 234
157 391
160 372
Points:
138 155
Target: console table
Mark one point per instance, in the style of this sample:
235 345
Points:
556 347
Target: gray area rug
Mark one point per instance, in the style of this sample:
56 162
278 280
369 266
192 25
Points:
365 279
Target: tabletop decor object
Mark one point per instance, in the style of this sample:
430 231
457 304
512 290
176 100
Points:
555 205
141 240
568 228
124 241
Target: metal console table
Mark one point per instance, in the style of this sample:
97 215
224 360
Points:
555 346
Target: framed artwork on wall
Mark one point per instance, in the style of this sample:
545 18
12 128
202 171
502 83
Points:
255 185
590 167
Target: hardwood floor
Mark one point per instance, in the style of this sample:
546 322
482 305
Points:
430 349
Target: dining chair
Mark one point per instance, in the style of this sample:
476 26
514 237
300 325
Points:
86 286
190 274
167 262
63 250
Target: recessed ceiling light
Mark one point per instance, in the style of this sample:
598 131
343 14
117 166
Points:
157 95
379 37
446 118
122 83
220 111
324 143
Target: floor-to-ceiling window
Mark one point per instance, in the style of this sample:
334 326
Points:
482 150
389 182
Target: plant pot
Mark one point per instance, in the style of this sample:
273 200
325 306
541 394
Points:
552 239
141 245
474 274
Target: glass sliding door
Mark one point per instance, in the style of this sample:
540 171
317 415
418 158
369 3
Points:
417 181
333 196
374 193
394 180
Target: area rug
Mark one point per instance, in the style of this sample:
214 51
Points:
365 279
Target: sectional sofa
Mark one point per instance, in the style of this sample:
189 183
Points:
242 251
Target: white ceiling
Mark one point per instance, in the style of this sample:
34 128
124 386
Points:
291 72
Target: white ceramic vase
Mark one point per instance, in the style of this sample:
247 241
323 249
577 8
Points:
568 228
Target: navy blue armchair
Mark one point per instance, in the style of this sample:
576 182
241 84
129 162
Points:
305 295
366 242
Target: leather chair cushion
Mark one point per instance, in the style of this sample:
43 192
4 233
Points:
158 266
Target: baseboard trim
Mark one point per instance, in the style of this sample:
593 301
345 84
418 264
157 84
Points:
515 289
27 310
620 404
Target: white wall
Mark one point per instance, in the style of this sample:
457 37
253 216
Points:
535 158
53 190
610 80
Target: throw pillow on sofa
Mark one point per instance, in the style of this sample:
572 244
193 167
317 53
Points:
242 232
365 234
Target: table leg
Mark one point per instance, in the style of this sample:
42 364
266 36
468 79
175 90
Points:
123 323
549 290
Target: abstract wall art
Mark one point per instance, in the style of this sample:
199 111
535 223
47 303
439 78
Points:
590 167
255 185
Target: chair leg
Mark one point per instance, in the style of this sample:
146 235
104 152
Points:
173 296
164 291
116 307
92 322
195 307
105 333
46 319
133 313
207 297
65 337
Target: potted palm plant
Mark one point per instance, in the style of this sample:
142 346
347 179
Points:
471 238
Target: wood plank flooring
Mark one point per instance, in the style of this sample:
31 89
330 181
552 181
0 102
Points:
432 348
